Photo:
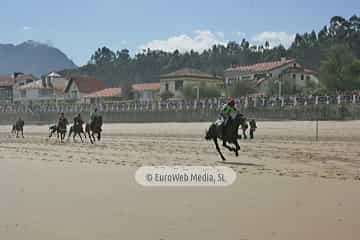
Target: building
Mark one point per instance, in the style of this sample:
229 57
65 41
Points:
175 82
6 89
78 87
36 91
105 95
22 79
264 73
146 91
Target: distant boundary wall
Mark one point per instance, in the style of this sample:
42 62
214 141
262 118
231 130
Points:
301 112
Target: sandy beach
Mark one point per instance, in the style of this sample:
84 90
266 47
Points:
288 185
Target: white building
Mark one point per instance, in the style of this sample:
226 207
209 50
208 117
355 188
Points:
266 72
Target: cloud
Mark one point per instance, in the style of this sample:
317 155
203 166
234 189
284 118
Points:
199 41
274 38
26 28
239 34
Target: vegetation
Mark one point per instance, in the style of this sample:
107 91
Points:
312 50
190 91
242 88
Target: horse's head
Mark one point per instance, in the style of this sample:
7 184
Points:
240 119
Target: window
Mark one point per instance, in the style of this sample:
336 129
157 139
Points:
308 78
73 94
23 93
270 74
302 76
294 65
178 85
166 87
294 76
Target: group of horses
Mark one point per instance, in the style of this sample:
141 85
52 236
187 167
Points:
92 129
228 135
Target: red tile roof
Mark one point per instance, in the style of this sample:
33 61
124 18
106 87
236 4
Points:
86 84
146 86
25 77
261 67
189 72
6 81
107 92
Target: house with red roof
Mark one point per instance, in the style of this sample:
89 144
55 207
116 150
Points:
175 82
78 87
104 95
6 89
266 72
146 91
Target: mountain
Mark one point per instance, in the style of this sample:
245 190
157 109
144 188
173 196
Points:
32 57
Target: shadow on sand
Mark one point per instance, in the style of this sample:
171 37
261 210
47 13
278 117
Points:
242 164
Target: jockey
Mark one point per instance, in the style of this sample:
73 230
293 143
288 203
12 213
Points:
93 115
226 112
62 122
78 120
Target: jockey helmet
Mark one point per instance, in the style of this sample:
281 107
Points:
231 102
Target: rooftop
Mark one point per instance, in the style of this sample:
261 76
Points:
107 92
86 84
188 72
261 67
146 86
6 81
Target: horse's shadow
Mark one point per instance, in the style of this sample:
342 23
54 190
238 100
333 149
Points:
242 164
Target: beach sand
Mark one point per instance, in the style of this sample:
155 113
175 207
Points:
288 185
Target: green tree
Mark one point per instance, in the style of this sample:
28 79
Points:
340 69
242 88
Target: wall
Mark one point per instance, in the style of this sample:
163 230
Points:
309 112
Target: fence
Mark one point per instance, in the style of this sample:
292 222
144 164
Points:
185 105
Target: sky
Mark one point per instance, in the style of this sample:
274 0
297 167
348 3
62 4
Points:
79 27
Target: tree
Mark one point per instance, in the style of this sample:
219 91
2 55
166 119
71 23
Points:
190 91
242 88
340 71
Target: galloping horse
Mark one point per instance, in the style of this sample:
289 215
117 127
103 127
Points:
94 127
230 134
76 129
18 127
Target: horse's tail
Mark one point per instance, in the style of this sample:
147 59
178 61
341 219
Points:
209 134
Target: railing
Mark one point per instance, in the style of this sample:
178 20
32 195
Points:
185 105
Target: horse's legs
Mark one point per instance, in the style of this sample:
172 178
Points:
244 133
22 133
228 147
89 134
218 149
237 148
99 136
80 137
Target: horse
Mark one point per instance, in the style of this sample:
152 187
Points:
244 128
18 127
230 134
94 128
76 129
54 129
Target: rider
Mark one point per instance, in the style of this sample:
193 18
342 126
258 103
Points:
226 112
78 120
94 115
62 122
